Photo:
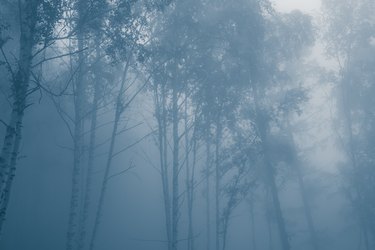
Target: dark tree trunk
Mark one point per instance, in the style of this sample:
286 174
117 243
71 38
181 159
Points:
78 144
20 81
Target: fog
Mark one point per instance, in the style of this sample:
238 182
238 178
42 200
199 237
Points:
187 125
311 7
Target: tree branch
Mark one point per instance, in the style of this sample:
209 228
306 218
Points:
58 56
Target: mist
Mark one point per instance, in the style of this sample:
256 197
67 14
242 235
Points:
187 125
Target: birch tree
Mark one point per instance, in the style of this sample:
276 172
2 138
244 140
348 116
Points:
35 31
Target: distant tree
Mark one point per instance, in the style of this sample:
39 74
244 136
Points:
349 42
285 39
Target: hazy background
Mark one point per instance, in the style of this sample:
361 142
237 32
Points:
133 214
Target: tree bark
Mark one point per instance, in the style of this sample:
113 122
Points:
12 138
12 172
78 144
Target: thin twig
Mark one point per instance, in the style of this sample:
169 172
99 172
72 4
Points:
58 56
132 165
131 145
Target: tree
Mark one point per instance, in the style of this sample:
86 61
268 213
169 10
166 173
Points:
36 26
348 41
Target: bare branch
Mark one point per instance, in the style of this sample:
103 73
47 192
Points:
46 45
58 56
4 123
132 145
8 64
129 128
132 165
62 115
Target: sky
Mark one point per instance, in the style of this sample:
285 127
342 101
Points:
309 6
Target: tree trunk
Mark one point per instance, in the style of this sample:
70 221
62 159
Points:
90 163
269 222
160 110
6 151
307 209
270 172
225 229
252 224
165 142
228 210
208 210
192 189
302 189
276 202
12 138
12 172
190 169
78 144
188 181
217 184
175 172
103 191
358 202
